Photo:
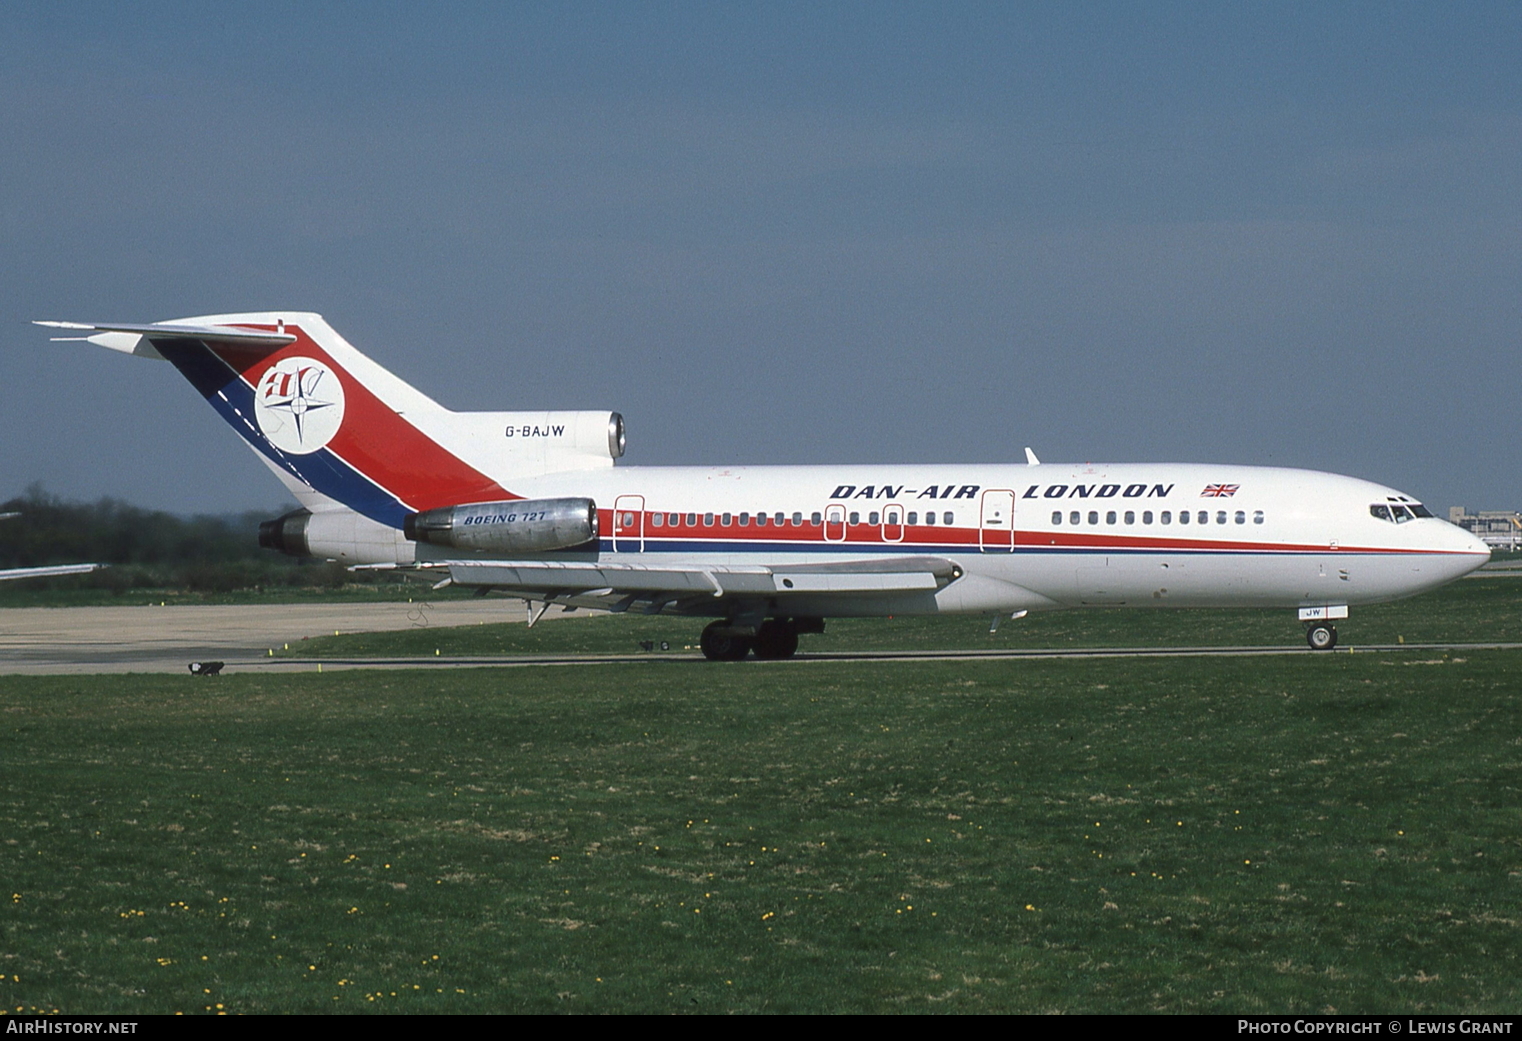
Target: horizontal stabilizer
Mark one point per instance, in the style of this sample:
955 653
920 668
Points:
130 339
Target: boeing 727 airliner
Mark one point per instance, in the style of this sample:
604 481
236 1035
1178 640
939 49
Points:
531 504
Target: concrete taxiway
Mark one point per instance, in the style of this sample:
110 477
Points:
43 640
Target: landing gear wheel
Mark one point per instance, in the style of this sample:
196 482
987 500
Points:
776 639
719 645
1321 637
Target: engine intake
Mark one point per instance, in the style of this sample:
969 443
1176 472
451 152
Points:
519 526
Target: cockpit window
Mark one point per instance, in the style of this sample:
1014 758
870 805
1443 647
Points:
1398 512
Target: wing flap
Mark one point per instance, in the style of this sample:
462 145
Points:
913 574
48 572
832 583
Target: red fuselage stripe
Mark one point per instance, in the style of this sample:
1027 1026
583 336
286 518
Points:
939 536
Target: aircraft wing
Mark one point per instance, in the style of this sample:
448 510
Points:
46 572
660 584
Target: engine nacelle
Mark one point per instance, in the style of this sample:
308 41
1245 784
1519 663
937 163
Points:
340 534
519 526
529 443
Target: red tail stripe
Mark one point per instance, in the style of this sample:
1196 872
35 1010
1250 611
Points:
373 439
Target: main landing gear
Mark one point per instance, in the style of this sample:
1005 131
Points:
773 639
776 639
1321 636
720 642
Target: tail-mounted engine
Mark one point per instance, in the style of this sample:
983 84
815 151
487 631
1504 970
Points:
287 533
519 526
339 534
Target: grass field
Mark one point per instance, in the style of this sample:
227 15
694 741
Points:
1475 609
1309 833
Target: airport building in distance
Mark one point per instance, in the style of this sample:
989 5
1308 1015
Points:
1500 529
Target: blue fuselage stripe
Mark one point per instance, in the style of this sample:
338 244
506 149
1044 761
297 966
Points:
700 546
225 390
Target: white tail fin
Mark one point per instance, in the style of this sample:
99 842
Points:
338 428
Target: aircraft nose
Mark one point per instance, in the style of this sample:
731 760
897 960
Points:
1470 551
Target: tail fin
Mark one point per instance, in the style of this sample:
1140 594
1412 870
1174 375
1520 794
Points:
338 428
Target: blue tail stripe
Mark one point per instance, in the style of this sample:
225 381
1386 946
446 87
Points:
322 470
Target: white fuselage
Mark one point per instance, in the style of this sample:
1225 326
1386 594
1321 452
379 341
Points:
1035 537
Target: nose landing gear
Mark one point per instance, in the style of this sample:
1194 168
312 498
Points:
1321 636
1320 633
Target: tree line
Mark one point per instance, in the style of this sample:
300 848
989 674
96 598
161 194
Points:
150 549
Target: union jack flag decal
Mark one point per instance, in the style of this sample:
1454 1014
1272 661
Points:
1219 491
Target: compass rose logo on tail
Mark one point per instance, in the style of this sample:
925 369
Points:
299 404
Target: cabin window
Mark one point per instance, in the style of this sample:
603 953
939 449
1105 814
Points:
1074 517
948 517
744 520
855 517
1056 516
727 519
1241 517
657 520
1146 516
692 520
1093 516
1257 516
914 516
797 520
872 517
1203 517
778 518
1110 517
1166 517
1130 516
707 520
760 520
1220 516
814 518
930 517
1183 516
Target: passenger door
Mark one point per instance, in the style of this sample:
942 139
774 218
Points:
629 524
996 528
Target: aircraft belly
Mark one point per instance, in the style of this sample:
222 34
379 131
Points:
1207 580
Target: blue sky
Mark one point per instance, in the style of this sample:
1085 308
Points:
1281 234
